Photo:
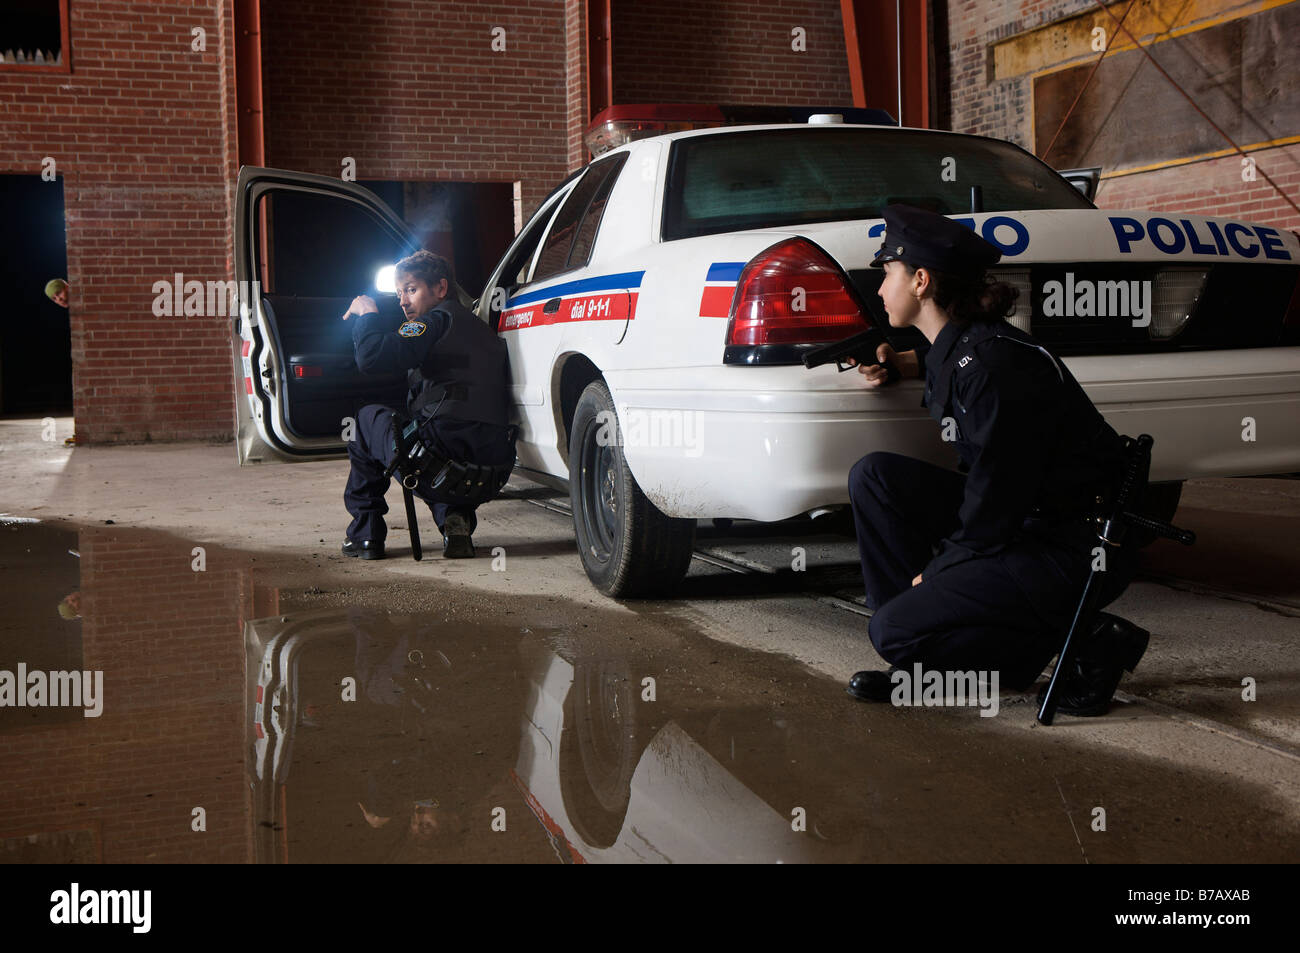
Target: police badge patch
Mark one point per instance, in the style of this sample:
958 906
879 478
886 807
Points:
411 329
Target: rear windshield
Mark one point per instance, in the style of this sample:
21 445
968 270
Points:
740 180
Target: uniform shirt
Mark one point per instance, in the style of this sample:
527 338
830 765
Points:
381 350
1027 435
454 363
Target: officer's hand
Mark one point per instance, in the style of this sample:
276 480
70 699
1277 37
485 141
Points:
874 374
361 304
917 580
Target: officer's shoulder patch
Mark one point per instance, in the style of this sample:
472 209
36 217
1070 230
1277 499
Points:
412 329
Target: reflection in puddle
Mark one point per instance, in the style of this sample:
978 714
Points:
232 730
668 750
383 737
386 737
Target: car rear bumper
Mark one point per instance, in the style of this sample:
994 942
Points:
769 443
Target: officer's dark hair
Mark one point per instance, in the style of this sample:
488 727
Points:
428 267
971 298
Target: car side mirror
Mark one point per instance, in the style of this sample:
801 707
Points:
1085 180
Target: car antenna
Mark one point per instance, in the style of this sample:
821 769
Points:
976 199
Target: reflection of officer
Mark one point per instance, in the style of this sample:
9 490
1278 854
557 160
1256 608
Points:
984 571
456 369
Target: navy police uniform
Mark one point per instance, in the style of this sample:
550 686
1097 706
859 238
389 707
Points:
457 377
1003 546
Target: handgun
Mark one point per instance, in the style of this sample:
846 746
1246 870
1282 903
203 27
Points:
861 347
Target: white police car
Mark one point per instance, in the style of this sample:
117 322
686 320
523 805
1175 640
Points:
657 303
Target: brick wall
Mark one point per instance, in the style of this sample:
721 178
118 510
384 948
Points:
974 102
1214 187
977 102
735 52
172 733
577 77
142 132
416 92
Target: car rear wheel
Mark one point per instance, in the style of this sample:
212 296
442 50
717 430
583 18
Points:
628 547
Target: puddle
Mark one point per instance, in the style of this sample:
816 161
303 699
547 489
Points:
265 711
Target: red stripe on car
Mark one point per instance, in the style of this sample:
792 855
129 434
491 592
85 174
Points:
605 306
716 301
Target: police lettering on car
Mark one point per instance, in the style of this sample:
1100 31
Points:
982 571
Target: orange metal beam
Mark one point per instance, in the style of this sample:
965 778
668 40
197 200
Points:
600 57
873 40
248 81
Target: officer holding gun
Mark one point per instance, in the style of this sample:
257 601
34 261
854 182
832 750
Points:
458 377
982 570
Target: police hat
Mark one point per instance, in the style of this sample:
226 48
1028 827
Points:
928 240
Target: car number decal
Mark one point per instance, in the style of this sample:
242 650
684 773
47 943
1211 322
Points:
601 298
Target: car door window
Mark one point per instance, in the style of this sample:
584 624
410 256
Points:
319 245
585 238
315 251
514 270
568 243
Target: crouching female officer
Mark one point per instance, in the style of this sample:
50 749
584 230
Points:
984 571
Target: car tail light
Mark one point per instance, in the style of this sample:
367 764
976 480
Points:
1020 279
793 293
1174 295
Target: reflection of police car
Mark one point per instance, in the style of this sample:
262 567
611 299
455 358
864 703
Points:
657 303
610 785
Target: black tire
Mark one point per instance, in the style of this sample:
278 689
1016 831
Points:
599 749
628 547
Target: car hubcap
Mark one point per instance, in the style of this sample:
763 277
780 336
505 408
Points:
607 491
599 497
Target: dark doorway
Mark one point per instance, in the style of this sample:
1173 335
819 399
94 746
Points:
469 223
35 334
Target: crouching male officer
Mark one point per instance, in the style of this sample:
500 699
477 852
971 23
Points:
458 381
984 571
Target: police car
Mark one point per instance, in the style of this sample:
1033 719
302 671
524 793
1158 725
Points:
657 303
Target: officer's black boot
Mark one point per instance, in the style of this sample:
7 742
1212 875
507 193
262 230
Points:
872 686
457 541
1115 646
365 548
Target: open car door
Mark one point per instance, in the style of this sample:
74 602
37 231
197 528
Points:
305 246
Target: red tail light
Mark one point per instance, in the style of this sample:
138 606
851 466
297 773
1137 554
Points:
793 293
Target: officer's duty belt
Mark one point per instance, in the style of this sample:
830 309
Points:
450 480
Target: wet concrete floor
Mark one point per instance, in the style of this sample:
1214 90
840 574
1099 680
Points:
259 709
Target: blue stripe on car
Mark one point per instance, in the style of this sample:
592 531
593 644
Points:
725 271
625 281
